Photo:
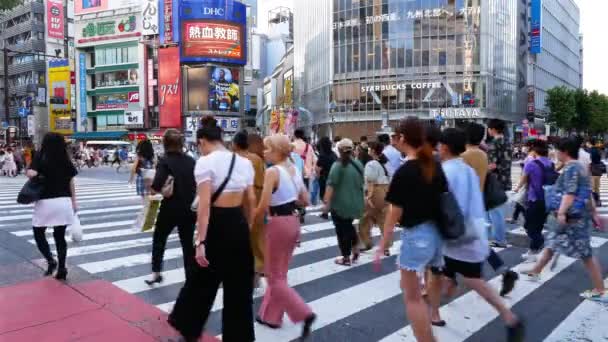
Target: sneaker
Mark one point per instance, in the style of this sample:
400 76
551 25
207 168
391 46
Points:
516 333
530 276
509 278
595 296
530 256
497 244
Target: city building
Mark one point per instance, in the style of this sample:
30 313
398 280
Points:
437 60
112 69
32 35
558 60
201 64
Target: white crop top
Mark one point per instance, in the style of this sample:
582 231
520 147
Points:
289 187
215 166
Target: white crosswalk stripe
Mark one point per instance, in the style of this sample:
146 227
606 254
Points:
344 298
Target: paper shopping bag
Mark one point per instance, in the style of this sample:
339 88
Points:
150 213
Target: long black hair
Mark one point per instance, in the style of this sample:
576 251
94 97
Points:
325 146
145 150
54 150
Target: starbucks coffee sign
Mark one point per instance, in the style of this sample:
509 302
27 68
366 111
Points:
456 113
401 86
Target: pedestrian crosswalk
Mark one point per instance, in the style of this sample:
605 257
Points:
358 303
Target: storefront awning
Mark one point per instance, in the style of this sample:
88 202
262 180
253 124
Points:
114 135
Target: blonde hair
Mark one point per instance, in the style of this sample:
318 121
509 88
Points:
279 143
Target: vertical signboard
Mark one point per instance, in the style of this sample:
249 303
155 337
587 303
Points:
60 108
151 82
149 17
536 28
169 88
54 25
166 21
82 89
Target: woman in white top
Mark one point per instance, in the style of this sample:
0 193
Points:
283 193
377 180
225 211
9 167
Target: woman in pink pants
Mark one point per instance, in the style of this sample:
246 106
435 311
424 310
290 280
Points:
283 192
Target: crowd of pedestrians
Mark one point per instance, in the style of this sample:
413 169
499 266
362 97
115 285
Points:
239 209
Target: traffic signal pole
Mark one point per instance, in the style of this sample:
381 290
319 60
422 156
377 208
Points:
6 102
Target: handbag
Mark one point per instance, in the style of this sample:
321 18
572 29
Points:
167 189
31 190
220 189
493 193
598 169
451 221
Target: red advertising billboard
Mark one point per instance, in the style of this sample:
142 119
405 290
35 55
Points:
54 27
169 88
212 39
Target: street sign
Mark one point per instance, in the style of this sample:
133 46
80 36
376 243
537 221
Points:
23 112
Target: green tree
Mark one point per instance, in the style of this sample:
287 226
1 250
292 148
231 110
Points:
598 113
9 4
561 102
582 117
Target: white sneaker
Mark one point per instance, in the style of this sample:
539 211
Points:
529 257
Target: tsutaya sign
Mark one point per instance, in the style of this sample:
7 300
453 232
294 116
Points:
456 113
401 86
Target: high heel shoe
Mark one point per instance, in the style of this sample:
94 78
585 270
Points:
62 274
156 280
51 268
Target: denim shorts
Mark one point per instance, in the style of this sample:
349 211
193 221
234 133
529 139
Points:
421 247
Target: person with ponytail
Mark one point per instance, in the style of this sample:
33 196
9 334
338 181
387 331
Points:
377 180
344 198
226 201
414 195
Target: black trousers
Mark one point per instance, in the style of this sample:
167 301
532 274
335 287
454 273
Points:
166 221
536 216
518 210
322 187
60 244
346 232
228 251
495 260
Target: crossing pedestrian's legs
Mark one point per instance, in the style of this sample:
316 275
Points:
42 244
345 231
535 221
164 226
497 219
60 244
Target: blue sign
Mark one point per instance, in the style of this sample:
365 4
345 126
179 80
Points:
23 112
536 27
82 87
4 124
56 63
213 31
168 23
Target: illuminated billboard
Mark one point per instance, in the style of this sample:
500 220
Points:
212 40
213 89
169 88
60 108
90 6
213 31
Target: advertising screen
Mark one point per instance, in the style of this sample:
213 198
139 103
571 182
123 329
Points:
59 89
90 6
224 89
213 89
212 39
169 88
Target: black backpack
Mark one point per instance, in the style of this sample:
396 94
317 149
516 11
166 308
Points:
550 175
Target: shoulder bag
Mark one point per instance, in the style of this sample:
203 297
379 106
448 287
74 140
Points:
493 193
31 191
451 220
220 189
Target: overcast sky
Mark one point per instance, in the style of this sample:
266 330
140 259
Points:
595 44
594 27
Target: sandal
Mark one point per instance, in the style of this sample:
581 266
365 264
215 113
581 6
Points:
355 257
342 261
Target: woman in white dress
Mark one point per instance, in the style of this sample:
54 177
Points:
9 167
57 203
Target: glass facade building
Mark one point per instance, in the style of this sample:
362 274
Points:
457 59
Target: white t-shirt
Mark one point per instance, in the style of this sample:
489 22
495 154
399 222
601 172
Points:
374 173
584 158
394 159
215 166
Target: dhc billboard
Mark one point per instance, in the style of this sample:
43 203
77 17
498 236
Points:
536 26
212 31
